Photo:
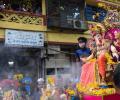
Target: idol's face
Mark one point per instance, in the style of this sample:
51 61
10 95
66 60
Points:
98 38
110 36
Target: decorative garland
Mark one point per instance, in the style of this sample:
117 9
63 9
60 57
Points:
108 4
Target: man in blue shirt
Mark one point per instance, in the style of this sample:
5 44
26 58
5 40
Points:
82 52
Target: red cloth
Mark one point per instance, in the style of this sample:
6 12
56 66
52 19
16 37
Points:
88 73
102 64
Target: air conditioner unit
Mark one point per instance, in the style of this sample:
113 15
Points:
78 24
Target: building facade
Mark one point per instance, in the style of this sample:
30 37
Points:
61 22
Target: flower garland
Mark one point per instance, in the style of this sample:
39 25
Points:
95 90
51 80
109 59
101 92
70 92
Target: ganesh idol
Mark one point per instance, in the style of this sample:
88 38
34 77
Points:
94 69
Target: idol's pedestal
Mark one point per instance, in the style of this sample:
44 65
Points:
108 97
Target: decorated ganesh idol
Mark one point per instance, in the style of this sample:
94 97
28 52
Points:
98 68
94 70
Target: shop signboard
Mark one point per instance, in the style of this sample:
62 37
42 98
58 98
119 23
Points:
16 38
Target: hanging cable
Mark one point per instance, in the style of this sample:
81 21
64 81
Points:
60 51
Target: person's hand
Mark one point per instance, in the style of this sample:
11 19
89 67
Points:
83 59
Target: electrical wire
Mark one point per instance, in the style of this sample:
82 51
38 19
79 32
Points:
60 51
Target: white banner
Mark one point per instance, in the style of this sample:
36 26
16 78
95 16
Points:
18 38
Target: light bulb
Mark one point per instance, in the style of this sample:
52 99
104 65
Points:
10 62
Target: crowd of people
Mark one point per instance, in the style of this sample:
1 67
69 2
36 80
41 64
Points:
29 6
52 92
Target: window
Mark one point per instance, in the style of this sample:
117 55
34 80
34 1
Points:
63 13
63 70
72 8
50 71
65 9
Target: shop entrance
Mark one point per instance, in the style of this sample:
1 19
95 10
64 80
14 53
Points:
19 69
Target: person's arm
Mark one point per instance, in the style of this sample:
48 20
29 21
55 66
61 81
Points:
88 58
